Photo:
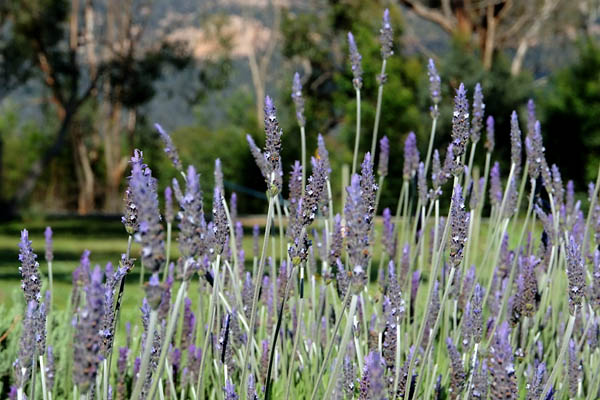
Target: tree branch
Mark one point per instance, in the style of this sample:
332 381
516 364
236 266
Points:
448 24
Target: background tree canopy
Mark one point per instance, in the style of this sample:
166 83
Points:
82 83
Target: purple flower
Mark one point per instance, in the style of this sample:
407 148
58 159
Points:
337 240
251 388
575 275
495 186
574 371
258 157
230 391
169 147
87 343
130 214
273 172
411 156
384 156
49 251
501 365
49 368
192 225
557 186
298 100
358 228
534 149
233 206
460 128
27 346
372 384
479 387
31 280
313 192
391 315
389 238
122 371
457 376
219 175
150 233
489 134
255 233
526 300
535 387
422 184
459 224
515 143
435 88
386 36
169 205
594 292
348 376
437 176
531 119
220 224
478 111
355 60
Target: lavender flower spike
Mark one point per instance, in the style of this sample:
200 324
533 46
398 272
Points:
150 233
459 225
87 342
298 99
169 205
460 128
169 147
386 36
457 376
219 176
355 60
411 156
384 156
575 274
489 134
31 280
478 110
49 250
501 365
372 385
26 346
272 152
515 143
534 148
230 393
358 232
435 88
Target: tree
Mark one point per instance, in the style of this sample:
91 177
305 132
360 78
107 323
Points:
571 116
108 62
494 24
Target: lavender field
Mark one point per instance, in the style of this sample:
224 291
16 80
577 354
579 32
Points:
479 283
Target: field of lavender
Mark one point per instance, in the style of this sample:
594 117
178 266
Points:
496 297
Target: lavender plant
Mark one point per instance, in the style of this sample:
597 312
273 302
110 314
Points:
488 299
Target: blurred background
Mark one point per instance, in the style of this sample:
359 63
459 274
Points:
83 81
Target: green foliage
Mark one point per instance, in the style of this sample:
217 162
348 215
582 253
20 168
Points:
327 89
571 111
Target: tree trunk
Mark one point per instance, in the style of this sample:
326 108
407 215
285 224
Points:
85 176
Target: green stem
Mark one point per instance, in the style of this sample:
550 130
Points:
330 344
167 339
561 355
257 284
431 140
213 305
296 335
43 376
378 110
357 136
139 382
